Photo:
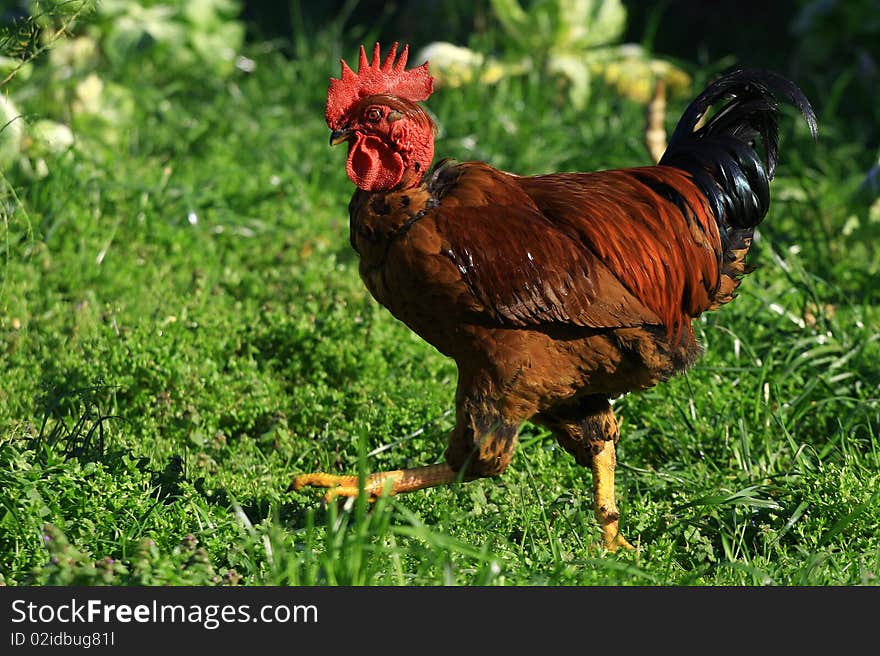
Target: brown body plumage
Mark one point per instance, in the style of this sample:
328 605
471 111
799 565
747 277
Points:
555 293
531 299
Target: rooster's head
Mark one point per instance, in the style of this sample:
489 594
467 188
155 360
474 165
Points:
390 138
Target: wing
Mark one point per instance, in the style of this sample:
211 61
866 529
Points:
518 264
603 250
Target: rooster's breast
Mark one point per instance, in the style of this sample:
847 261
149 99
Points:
405 265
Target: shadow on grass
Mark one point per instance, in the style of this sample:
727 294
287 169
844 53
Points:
73 420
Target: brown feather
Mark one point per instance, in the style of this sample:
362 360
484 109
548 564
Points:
601 250
554 293
547 285
666 254
548 291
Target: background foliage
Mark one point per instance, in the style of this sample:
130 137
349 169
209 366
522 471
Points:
182 327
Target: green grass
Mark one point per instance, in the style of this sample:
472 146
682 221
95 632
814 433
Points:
182 329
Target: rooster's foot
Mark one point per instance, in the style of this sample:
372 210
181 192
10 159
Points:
375 485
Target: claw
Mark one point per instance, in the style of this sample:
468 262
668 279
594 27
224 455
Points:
338 486
616 541
401 480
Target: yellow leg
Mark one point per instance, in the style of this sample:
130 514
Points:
607 514
401 480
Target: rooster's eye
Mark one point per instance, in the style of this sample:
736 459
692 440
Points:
373 115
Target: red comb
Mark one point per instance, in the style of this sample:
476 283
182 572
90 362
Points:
372 78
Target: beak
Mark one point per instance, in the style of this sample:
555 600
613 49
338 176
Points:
339 136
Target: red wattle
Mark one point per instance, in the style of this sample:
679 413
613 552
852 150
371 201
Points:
372 165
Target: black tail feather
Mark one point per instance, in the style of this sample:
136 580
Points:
721 154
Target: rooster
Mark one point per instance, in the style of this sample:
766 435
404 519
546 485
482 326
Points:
552 293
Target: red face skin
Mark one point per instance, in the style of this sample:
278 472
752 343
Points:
391 143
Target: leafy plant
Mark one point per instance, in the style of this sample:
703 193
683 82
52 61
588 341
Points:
26 144
575 39
188 33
